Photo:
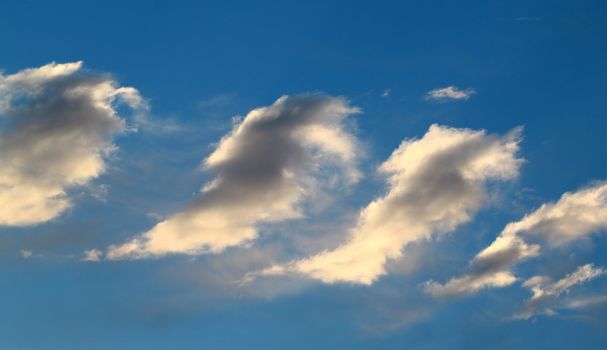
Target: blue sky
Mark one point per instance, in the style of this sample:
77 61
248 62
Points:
320 174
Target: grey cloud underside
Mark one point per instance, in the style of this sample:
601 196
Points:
41 133
255 170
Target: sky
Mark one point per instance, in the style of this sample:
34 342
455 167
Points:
303 175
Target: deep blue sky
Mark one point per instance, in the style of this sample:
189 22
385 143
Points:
537 64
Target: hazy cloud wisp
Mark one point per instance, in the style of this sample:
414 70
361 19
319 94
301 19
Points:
544 291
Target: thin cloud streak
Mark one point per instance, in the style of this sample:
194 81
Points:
545 291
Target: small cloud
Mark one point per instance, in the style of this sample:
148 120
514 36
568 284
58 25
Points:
92 255
99 192
26 254
449 93
386 93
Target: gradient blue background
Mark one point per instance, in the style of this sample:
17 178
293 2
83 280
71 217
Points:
540 64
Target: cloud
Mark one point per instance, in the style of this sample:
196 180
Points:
586 302
436 183
56 127
449 93
574 216
545 291
272 160
489 269
93 255
156 125
469 284
221 274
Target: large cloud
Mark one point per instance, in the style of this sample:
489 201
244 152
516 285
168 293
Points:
435 184
574 216
264 168
56 125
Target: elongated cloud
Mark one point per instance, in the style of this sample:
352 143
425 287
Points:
449 93
489 269
574 216
56 125
545 291
435 184
264 168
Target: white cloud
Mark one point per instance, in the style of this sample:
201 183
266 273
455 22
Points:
264 169
449 93
26 253
574 216
435 184
469 284
545 291
56 126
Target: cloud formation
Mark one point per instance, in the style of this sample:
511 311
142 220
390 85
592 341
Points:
587 302
574 216
271 161
449 93
435 184
544 291
57 123
93 255
489 269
